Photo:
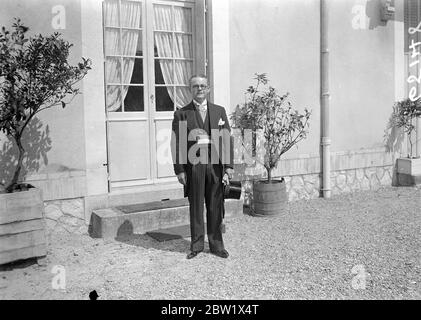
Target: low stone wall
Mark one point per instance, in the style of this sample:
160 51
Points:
65 216
361 179
68 215
307 186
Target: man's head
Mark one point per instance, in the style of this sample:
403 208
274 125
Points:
199 87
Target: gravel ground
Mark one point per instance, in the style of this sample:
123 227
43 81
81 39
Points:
363 245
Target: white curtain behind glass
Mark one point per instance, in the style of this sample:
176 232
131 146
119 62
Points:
183 49
130 15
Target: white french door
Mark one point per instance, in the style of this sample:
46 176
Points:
151 49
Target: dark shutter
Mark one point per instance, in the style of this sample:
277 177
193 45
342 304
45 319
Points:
412 17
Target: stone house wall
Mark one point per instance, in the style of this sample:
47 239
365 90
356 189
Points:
65 216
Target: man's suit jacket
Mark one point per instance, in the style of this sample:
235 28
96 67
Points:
186 123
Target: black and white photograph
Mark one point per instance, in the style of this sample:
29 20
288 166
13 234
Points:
233 152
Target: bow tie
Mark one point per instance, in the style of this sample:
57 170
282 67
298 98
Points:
201 107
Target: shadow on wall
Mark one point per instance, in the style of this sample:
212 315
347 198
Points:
373 11
36 142
394 138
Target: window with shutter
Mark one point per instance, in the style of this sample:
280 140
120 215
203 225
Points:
412 13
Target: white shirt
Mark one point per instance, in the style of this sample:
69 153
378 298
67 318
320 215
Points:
203 105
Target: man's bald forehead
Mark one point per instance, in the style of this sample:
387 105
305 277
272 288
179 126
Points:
199 76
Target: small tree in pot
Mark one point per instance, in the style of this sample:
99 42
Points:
34 76
401 122
267 114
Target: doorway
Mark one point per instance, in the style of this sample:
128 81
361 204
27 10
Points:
151 48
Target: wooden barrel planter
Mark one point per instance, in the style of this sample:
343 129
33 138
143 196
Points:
269 198
22 226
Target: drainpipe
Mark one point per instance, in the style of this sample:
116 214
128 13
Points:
417 143
324 98
418 137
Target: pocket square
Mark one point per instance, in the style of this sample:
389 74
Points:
221 122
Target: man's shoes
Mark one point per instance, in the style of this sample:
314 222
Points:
192 254
222 253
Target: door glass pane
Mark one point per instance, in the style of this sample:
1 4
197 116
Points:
132 43
113 99
131 14
163 44
163 100
134 99
183 46
113 70
183 71
182 19
162 18
112 42
111 15
164 72
183 96
133 67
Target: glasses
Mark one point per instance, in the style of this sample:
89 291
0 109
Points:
200 86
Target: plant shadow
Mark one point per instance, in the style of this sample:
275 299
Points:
36 141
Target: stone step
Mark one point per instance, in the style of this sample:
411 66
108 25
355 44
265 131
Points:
141 218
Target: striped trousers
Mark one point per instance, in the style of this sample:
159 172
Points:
205 186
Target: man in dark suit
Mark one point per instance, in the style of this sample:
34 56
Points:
202 151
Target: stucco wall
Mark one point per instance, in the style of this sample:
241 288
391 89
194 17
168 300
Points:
65 151
280 38
365 61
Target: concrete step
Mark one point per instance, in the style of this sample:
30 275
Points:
140 218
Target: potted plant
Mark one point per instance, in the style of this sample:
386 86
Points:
401 122
268 115
34 76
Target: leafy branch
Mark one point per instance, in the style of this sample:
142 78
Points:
264 110
402 118
34 76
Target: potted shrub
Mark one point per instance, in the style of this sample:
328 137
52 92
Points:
269 116
401 122
34 76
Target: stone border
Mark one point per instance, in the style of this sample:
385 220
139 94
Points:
65 216
307 186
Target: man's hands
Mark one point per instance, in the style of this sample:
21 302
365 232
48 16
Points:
182 178
227 176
